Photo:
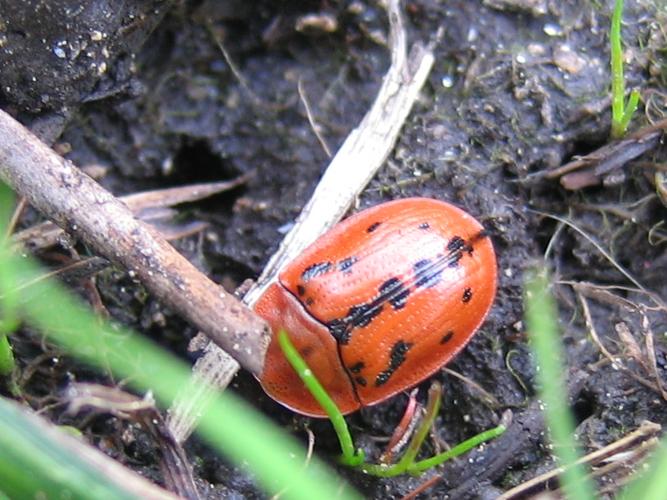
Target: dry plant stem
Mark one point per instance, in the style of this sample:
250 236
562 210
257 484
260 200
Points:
16 216
644 436
84 209
604 152
47 234
587 170
311 119
361 155
603 293
619 470
607 255
169 197
175 466
176 469
615 360
650 354
174 463
486 396
429 483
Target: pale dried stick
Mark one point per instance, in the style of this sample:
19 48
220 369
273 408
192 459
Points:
361 155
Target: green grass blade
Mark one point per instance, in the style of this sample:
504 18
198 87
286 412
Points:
348 455
621 113
6 208
30 462
8 296
541 321
243 435
630 109
459 449
7 363
617 77
651 484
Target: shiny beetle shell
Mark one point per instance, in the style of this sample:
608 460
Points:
379 303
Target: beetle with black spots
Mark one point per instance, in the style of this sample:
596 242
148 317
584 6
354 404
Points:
379 303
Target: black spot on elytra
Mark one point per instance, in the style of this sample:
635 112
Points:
301 290
467 295
427 273
382 378
357 316
455 244
424 225
362 315
310 301
447 337
394 291
373 227
453 260
345 265
356 370
458 244
396 359
357 367
339 330
315 270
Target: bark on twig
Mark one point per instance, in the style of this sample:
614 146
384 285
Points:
363 152
84 209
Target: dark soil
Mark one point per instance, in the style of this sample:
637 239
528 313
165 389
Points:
145 91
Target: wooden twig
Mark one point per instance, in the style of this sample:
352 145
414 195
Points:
87 211
363 152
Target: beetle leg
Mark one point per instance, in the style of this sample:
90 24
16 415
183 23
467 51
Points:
404 429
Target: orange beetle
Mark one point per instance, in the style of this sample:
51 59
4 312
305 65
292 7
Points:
379 303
